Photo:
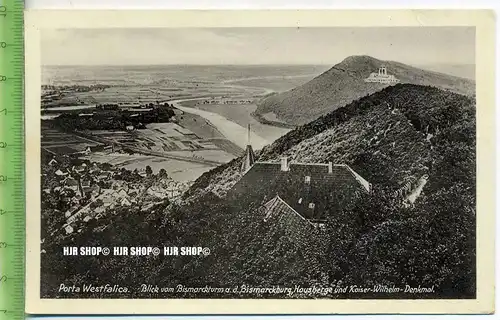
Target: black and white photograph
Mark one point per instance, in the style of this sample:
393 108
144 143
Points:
305 163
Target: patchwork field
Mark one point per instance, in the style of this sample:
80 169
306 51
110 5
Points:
165 139
132 93
197 141
171 74
60 142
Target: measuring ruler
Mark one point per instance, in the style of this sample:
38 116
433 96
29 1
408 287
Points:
12 194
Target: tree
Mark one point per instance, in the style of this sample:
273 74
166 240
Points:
163 173
149 171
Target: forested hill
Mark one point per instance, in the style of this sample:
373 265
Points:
391 138
343 83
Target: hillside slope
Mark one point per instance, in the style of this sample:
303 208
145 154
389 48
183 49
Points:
388 137
391 138
343 83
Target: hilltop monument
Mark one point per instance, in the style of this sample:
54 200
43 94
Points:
381 76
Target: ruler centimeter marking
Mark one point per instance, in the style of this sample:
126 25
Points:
12 161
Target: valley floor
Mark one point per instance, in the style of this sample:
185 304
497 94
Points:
213 117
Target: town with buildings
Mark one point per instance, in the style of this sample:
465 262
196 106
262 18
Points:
87 191
57 95
218 101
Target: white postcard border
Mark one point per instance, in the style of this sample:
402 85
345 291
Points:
483 20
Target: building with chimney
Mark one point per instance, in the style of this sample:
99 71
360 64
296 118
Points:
303 192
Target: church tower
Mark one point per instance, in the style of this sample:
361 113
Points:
249 157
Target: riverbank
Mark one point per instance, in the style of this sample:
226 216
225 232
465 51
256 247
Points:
233 131
263 120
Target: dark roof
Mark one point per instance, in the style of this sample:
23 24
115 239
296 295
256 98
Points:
312 199
277 211
277 208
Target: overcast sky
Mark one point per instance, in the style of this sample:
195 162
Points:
411 45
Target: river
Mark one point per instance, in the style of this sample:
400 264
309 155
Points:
233 131
230 129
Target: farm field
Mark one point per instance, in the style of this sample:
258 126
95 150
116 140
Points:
158 137
169 139
133 93
55 141
64 75
165 138
213 132
144 84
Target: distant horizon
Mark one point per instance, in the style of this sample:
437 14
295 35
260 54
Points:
240 64
464 70
185 64
256 46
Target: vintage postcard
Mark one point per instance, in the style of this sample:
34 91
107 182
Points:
260 162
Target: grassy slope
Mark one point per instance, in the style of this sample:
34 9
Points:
344 83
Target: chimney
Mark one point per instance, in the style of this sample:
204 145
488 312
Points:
330 167
284 164
312 214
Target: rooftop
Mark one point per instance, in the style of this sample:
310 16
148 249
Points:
310 189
